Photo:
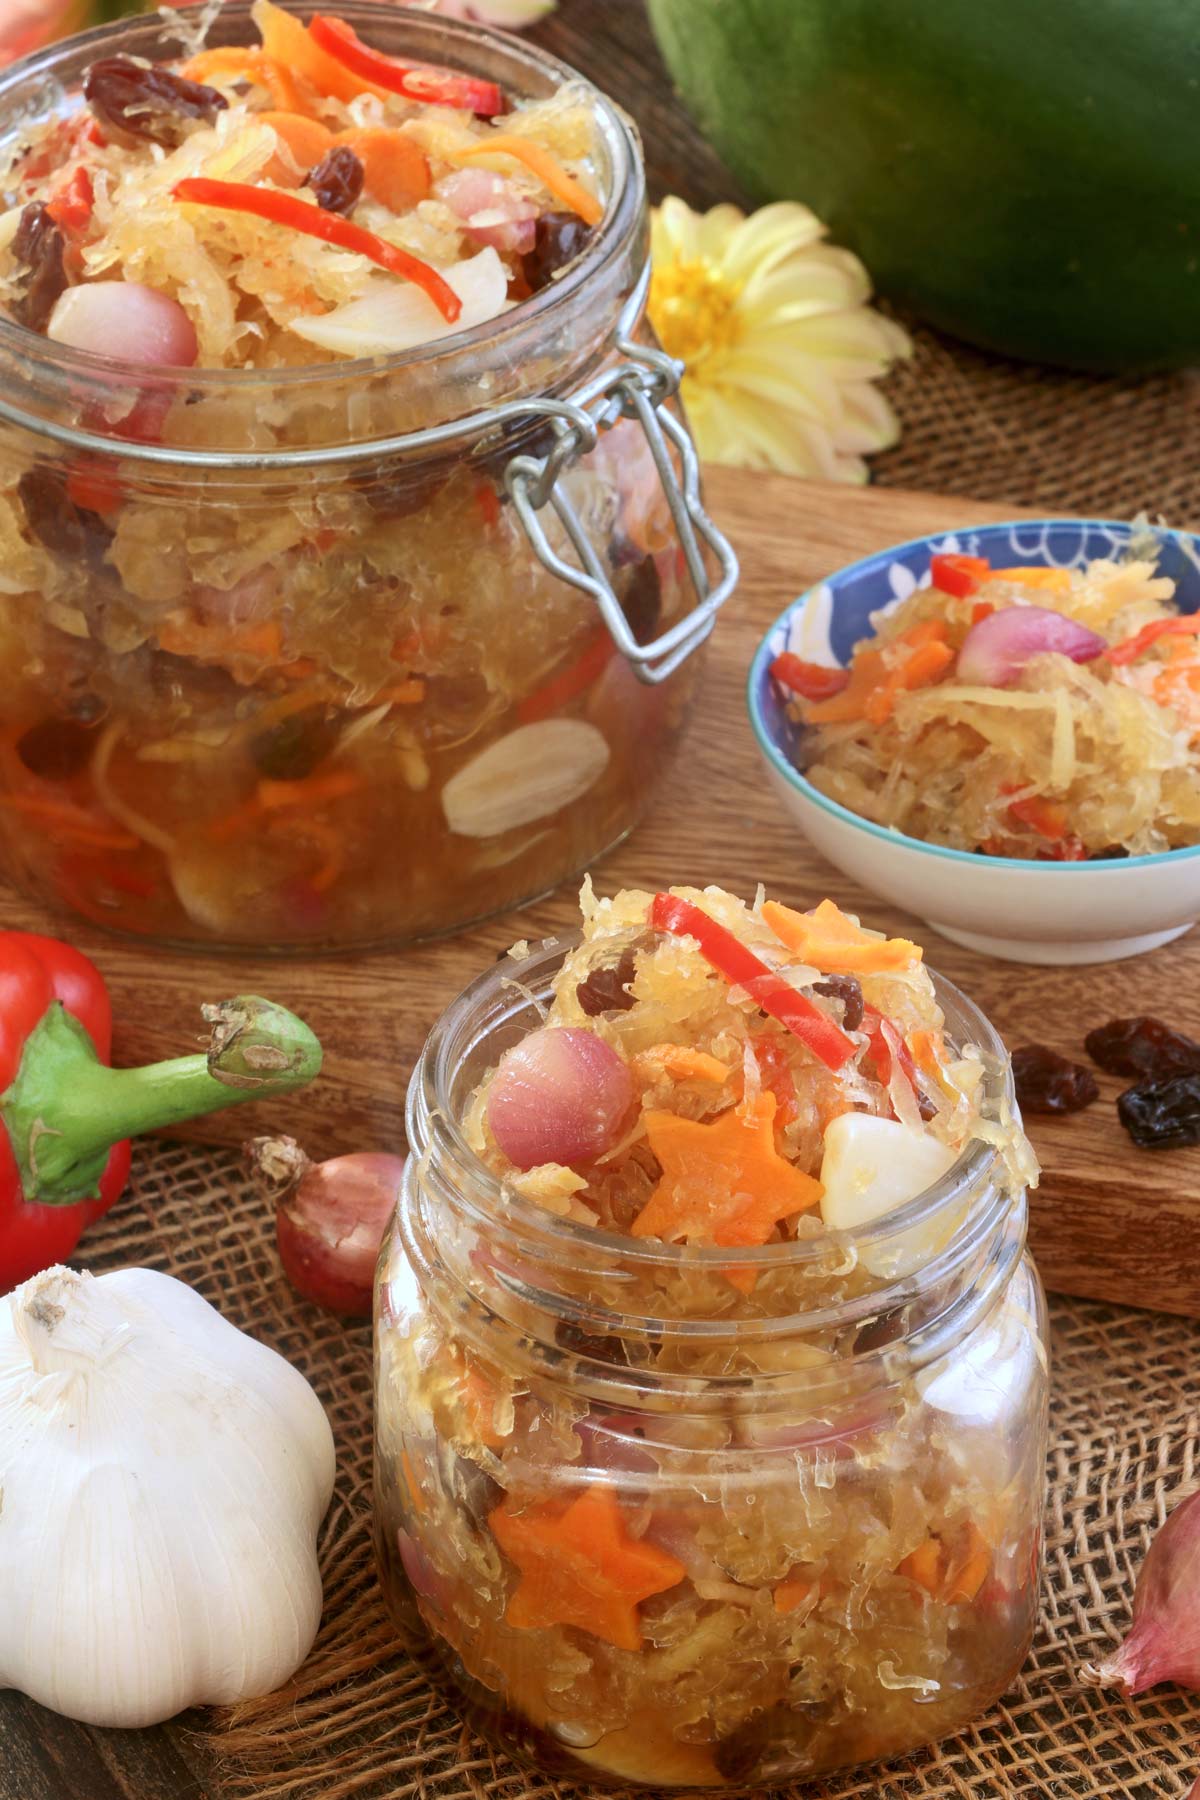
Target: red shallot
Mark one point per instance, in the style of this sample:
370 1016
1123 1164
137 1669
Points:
1164 1641
562 1095
996 649
126 321
329 1218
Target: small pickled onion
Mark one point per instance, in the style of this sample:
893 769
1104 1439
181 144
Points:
996 649
330 1218
126 321
562 1095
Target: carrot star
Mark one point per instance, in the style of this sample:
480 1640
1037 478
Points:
724 1182
579 1566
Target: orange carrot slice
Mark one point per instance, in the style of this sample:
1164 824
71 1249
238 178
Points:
679 1061
722 1182
287 41
793 1592
924 1566
395 171
307 140
831 942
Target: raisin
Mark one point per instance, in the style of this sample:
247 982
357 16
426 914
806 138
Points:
606 989
1142 1046
585 1343
559 238
337 180
847 989
642 604
135 101
291 750
54 520
39 248
1162 1115
758 1746
395 490
55 749
883 1329
1047 1083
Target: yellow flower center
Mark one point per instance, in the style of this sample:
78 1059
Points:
694 309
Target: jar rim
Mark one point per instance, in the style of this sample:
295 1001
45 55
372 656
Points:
435 38
434 1128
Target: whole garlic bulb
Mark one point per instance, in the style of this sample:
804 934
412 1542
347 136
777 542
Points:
162 1478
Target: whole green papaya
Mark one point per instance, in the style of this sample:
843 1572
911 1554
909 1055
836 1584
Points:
1022 173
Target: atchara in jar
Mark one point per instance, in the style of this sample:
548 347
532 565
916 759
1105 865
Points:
351 550
711 1380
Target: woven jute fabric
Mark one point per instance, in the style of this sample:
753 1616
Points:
1010 432
361 1722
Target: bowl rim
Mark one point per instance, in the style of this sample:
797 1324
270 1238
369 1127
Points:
888 834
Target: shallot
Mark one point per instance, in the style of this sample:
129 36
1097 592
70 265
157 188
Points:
562 1095
995 651
126 321
492 209
330 1218
1164 1641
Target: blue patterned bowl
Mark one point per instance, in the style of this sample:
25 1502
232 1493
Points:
1037 912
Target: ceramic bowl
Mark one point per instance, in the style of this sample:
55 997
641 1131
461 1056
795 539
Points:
1025 911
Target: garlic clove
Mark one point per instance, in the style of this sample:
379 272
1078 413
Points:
528 775
870 1168
164 1477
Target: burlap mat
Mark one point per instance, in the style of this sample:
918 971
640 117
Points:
360 1721
977 425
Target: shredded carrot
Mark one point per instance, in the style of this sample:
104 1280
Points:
866 672
723 1182
84 828
287 41
251 65
929 660
419 1504
314 790
969 1566
793 1592
924 1566
581 1566
833 943
1050 581
539 162
679 1061
1130 648
403 693
395 171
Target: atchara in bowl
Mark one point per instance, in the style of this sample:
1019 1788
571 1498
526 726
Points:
1001 730
353 554
710 1377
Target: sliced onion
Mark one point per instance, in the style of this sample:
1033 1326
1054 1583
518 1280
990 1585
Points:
126 321
396 315
996 650
492 209
559 1096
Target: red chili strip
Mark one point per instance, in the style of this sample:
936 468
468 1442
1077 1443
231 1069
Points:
437 87
739 965
331 228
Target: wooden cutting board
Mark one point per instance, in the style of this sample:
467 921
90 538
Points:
1109 1221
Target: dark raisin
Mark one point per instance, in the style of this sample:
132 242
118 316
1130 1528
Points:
395 490
585 1343
642 601
752 1751
1142 1046
606 989
1048 1083
472 1487
1162 1115
847 989
337 180
877 1333
54 520
291 750
39 248
559 238
134 101
55 749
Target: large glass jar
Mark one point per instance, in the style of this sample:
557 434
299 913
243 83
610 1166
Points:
352 653
818 1484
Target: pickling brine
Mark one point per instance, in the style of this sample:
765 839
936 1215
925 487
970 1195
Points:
345 571
710 1374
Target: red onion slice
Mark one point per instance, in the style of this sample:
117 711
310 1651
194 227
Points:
996 650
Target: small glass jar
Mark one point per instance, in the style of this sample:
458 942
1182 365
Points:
348 654
815 1470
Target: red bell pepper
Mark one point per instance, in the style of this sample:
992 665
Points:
71 205
880 1050
67 1116
1130 648
437 87
739 965
300 215
812 681
959 575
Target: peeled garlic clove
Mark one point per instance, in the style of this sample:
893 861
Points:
527 775
870 1168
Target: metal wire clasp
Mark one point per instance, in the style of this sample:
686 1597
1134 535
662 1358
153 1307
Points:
638 388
